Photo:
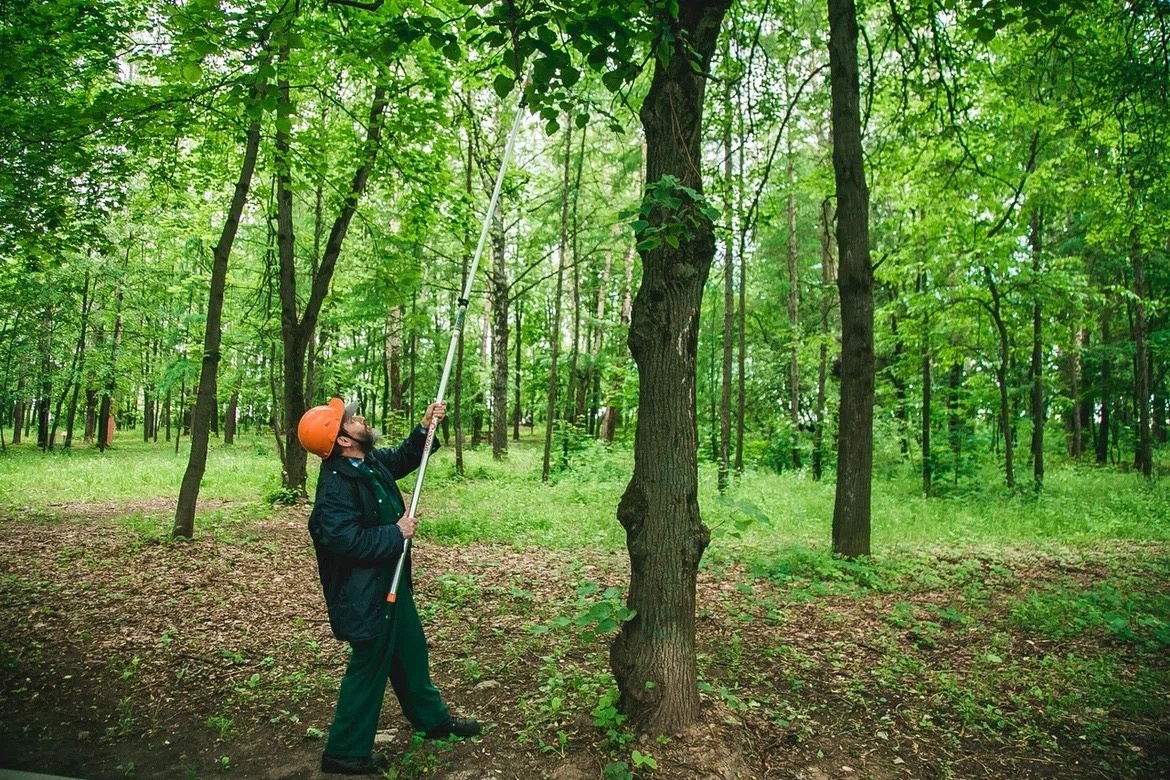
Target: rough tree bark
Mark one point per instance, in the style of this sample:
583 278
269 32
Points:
653 656
851 509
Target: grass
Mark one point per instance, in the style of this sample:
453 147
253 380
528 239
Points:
1021 622
506 502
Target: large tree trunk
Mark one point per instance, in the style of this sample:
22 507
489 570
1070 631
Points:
205 400
851 509
297 332
653 656
1037 365
516 413
555 332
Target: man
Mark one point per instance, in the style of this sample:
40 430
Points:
359 531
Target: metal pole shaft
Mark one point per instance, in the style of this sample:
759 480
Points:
456 332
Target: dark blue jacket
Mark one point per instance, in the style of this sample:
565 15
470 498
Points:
357 544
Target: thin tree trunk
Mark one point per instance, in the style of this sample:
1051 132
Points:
927 471
1145 452
1076 445
555 332
828 277
954 421
793 313
1001 377
499 288
297 333
86 304
851 509
205 402
1037 365
516 392
229 422
105 422
728 299
653 657
1103 424
44 398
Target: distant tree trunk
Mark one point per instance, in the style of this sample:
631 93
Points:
205 401
297 332
597 342
395 413
653 657
927 472
86 304
1144 461
741 355
728 299
229 421
519 372
954 421
1037 365
18 411
45 397
555 331
793 312
612 409
828 277
901 407
995 309
104 428
575 396
851 509
499 292
1106 376
458 396
1076 418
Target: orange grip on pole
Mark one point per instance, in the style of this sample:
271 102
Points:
391 597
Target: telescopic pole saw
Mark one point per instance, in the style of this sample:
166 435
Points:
456 332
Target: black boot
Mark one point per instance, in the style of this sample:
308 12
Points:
455 727
373 764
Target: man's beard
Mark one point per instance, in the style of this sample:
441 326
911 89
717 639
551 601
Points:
367 440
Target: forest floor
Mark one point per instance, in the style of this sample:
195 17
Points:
123 654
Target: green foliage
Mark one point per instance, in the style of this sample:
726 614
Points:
591 617
1115 608
669 213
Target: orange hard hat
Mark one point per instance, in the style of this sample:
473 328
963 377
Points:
319 427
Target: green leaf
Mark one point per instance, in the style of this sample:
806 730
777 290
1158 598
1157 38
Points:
452 52
283 124
569 77
191 72
503 85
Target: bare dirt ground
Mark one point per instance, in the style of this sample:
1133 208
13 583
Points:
122 656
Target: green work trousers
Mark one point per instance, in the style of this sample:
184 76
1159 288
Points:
399 654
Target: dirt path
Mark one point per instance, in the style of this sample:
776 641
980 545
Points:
126 658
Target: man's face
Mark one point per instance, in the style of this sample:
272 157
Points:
359 431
